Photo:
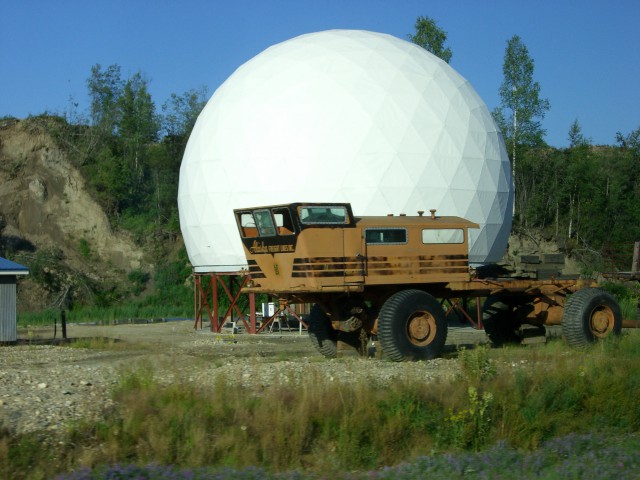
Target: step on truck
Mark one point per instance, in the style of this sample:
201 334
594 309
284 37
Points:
389 278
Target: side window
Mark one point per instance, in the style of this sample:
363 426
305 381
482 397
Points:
284 224
264 222
247 225
443 235
385 236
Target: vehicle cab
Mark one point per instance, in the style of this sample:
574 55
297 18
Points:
323 247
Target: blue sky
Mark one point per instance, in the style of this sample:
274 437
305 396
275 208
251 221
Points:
586 53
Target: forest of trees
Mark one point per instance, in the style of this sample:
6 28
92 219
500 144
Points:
585 197
129 150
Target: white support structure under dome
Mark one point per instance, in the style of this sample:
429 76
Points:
343 116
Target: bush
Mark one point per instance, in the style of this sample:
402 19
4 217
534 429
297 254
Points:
85 249
138 280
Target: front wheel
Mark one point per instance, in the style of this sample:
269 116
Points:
590 314
412 326
321 333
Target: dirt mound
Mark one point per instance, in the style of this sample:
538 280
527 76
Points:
44 205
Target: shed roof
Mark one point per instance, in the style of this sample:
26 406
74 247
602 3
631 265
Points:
7 267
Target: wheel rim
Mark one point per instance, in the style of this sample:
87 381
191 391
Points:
601 321
421 328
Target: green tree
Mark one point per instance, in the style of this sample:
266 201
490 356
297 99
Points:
105 89
108 176
179 115
576 138
124 114
431 37
630 171
630 141
180 112
520 94
137 130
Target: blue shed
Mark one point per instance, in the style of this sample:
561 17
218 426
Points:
9 272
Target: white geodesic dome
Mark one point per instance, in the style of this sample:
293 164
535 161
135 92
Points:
349 116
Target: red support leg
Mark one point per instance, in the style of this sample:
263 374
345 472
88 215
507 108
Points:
290 310
216 307
202 297
197 317
252 312
454 304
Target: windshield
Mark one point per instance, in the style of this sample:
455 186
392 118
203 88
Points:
264 222
329 214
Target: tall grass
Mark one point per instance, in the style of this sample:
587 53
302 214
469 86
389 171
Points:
318 424
629 307
627 295
113 314
517 397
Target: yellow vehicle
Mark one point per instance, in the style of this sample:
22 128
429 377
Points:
388 277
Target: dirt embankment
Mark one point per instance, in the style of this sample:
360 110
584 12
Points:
44 204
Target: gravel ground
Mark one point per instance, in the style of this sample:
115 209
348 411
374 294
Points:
45 384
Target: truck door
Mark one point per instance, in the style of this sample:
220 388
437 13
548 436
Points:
355 256
330 247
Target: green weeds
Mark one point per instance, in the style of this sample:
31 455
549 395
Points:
469 427
628 296
85 248
122 313
102 343
476 366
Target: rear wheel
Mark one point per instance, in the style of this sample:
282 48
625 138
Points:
321 333
499 321
589 315
412 326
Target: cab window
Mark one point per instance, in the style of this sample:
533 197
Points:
265 223
282 216
443 235
247 225
387 236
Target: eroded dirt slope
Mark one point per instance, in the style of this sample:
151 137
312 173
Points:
44 204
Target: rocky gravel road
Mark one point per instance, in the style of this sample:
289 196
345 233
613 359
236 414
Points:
45 384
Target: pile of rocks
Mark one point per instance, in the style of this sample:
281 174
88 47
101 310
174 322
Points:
46 387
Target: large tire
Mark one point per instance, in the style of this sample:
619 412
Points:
499 323
321 333
412 326
590 314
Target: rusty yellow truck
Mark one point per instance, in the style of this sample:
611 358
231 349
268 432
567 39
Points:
391 277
